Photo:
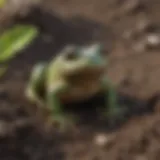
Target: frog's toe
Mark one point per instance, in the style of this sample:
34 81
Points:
61 122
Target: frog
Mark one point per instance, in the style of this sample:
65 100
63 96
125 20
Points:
75 74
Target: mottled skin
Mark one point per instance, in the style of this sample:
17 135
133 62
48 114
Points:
77 73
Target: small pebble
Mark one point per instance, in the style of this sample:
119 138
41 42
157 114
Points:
153 40
143 24
139 47
103 139
131 5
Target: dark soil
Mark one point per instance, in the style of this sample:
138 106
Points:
124 28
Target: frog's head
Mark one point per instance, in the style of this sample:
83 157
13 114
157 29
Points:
79 58
93 54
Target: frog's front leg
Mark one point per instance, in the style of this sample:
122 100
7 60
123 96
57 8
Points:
114 111
54 103
36 84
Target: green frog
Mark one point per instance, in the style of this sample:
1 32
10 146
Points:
77 73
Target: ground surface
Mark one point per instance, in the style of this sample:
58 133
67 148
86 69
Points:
130 31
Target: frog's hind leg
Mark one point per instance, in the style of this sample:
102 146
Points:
36 84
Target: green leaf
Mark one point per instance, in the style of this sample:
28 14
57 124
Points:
16 39
2 3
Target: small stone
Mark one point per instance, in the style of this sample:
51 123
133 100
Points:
139 47
153 40
127 34
103 139
143 24
131 5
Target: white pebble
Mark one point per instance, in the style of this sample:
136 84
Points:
102 139
153 39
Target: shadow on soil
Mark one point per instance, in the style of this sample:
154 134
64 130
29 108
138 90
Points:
90 112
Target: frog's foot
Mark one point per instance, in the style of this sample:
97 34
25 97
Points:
62 121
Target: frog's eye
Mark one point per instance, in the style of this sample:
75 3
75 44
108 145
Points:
71 56
70 53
